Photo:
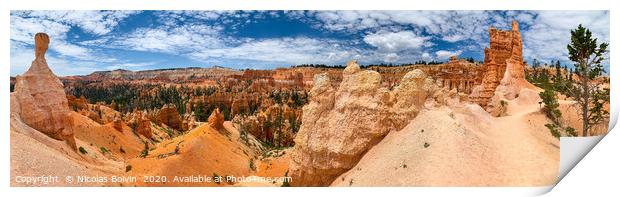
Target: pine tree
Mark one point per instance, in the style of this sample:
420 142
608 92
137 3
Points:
587 55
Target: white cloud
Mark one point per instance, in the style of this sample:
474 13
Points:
97 22
24 29
25 24
175 40
396 41
452 26
387 36
391 57
129 66
21 59
283 50
426 56
549 34
444 55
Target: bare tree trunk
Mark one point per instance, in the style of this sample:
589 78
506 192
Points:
586 100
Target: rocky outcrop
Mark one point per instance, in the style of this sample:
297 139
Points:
340 124
40 100
503 68
143 126
216 119
169 115
117 123
77 103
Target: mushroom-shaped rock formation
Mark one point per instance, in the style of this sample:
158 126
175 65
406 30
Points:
40 99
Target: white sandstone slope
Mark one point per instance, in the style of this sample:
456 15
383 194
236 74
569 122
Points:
462 146
340 125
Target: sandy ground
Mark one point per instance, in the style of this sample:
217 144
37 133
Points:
108 137
33 154
457 146
203 151
463 147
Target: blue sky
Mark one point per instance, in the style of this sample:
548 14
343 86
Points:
87 41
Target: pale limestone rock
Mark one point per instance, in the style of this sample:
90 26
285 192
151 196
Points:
40 100
340 125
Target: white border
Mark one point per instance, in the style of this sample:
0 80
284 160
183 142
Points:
573 182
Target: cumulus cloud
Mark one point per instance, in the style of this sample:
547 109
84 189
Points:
284 51
211 37
396 41
451 25
549 34
57 24
21 59
175 40
129 66
444 55
97 22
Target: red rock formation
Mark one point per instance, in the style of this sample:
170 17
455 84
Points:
118 124
143 126
216 119
457 74
169 115
505 47
41 99
77 103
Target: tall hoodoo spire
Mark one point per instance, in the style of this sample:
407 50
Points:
515 25
40 99
41 42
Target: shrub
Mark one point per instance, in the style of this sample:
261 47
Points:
252 165
285 183
551 105
553 128
145 152
104 150
82 150
570 131
127 168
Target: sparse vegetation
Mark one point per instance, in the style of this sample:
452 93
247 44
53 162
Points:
503 107
552 112
285 183
104 150
252 165
82 150
591 98
145 151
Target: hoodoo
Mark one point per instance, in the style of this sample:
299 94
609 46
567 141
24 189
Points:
340 125
40 99
216 120
503 66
